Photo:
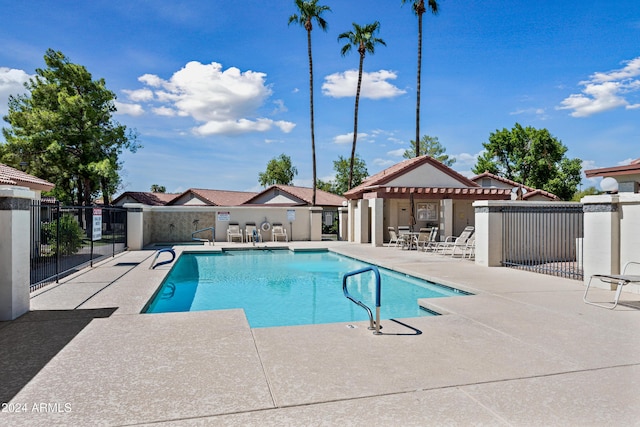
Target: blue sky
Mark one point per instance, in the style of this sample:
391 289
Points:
217 88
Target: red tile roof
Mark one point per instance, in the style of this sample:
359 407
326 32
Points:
218 197
11 176
630 169
147 198
323 198
530 190
402 168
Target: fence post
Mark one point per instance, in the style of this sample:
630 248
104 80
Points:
601 245
15 220
488 223
135 226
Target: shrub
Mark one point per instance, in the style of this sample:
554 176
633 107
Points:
71 235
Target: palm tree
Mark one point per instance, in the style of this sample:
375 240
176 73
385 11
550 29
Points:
308 11
419 8
363 38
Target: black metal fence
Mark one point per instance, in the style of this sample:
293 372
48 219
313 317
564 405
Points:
65 239
544 238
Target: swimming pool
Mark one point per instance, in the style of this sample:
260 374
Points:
283 288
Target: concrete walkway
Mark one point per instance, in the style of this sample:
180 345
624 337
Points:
523 351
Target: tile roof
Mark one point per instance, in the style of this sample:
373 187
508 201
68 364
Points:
12 176
630 169
323 198
218 197
147 198
402 168
530 190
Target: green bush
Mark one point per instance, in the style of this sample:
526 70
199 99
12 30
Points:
71 235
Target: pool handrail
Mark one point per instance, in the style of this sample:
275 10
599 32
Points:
198 239
372 325
169 250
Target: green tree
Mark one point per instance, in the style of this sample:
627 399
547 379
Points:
280 170
342 166
431 146
589 191
155 188
309 11
339 185
532 157
419 8
364 40
62 130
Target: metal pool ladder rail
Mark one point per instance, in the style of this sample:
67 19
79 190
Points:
374 326
169 250
198 239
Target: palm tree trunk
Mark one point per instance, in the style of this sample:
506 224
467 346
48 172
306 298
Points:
418 84
355 122
313 142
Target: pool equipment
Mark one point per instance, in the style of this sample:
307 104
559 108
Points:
169 250
373 326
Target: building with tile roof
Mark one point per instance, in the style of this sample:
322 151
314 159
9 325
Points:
518 191
14 177
418 192
289 195
627 176
146 198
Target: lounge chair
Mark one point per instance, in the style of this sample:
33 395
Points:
618 279
394 239
432 243
279 231
453 242
468 249
252 233
422 238
234 232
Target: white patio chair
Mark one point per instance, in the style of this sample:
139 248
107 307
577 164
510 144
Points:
618 279
277 232
234 232
452 242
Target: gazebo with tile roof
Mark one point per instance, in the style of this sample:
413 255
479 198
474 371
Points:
421 191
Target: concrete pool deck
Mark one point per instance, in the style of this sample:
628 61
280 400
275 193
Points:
523 351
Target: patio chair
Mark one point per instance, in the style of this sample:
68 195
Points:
422 238
277 232
452 242
252 233
618 279
394 239
234 232
468 249
432 243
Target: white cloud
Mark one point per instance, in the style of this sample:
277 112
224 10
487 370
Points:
222 101
383 162
397 153
626 162
348 138
466 160
11 83
539 112
374 85
129 109
140 95
164 111
606 91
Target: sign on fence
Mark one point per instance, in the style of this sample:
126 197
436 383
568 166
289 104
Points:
97 224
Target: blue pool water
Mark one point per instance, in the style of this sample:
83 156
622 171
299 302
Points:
281 287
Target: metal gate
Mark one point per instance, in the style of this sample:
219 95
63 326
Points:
63 240
544 238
